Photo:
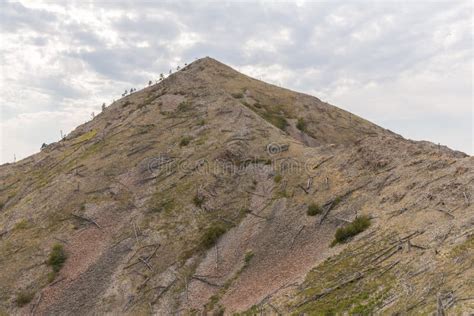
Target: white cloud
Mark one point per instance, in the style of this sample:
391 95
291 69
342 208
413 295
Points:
30 130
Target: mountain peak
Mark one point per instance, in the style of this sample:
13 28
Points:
216 193
304 117
209 62
212 68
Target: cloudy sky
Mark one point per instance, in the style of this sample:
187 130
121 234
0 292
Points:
404 65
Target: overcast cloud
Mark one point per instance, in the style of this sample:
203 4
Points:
406 66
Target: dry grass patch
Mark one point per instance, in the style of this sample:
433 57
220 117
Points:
24 297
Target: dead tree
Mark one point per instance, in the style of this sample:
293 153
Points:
90 220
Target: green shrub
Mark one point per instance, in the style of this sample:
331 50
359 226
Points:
51 276
248 256
198 200
219 311
212 234
314 209
57 257
336 201
23 224
272 115
164 205
301 125
24 297
277 178
184 106
276 119
360 224
281 122
201 122
184 141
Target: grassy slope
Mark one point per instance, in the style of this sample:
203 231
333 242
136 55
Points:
105 170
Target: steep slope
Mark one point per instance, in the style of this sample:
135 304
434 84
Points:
191 195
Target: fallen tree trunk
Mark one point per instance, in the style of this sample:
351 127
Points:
90 220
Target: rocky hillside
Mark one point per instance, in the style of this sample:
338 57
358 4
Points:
212 192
